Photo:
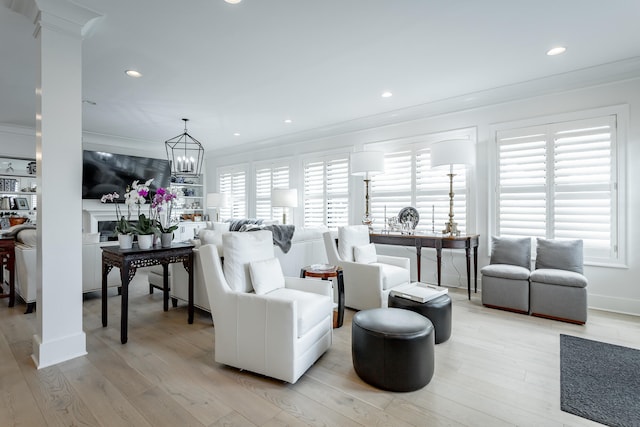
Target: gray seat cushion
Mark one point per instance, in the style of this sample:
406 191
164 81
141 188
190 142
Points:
505 271
558 277
511 250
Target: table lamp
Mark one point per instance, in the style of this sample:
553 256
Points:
217 201
449 153
284 198
367 164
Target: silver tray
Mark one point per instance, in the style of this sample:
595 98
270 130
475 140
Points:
409 216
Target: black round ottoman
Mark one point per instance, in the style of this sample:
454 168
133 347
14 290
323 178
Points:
392 349
438 310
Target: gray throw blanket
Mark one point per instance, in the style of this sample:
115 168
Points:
282 233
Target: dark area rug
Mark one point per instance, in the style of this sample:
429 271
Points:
600 381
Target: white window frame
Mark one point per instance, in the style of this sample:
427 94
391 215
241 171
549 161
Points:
618 259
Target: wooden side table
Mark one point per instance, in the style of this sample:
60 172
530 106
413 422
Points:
326 273
8 257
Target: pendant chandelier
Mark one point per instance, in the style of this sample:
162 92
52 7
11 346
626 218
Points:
185 153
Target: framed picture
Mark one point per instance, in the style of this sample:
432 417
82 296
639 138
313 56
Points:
22 203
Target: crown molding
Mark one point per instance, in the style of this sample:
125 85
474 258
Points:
614 72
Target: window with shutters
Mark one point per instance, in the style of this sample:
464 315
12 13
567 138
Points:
233 181
409 180
268 177
326 191
558 181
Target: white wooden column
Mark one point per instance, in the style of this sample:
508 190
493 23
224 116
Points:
59 26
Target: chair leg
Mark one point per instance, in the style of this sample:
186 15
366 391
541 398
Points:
30 307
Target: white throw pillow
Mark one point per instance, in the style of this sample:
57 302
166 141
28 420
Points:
365 254
266 275
221 226
349 237
239 250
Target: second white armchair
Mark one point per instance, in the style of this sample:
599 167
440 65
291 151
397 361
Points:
279 330
368 277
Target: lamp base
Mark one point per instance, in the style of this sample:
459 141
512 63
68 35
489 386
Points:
451 228
368 221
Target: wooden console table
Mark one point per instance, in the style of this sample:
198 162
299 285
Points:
129 260
467 243
8 258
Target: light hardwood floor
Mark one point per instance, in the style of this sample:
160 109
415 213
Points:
497 369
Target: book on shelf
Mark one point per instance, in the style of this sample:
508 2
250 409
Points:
419 292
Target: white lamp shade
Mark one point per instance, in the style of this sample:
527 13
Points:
284 198
365 163
218 200
453 152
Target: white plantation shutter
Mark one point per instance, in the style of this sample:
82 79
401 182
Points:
326 191
233 182
263 192
558 181
266 179
408 180
522 183
392 190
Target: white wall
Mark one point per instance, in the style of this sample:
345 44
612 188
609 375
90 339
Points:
616 289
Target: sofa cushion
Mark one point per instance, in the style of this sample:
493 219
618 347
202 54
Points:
559 254
511 250
312 308
558 277
350 237
241 248
266 275
220 226
506 271
365 254
211 237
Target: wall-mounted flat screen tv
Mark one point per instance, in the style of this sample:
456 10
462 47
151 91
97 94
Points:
104 173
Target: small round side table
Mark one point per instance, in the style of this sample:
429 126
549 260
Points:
326 272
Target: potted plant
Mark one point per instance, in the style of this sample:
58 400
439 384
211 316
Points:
146 229
123 227
161 207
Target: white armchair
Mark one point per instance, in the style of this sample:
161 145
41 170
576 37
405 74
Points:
279 331
368 277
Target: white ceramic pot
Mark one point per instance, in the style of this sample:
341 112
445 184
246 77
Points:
125 241
165 239
145 241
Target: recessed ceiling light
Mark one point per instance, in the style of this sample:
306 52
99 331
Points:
133 73
288 121
236 134
556 50
386 94
233 1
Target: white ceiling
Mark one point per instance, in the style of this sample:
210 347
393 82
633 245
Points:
323 63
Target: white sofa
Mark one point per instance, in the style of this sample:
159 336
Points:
307 247
25 266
